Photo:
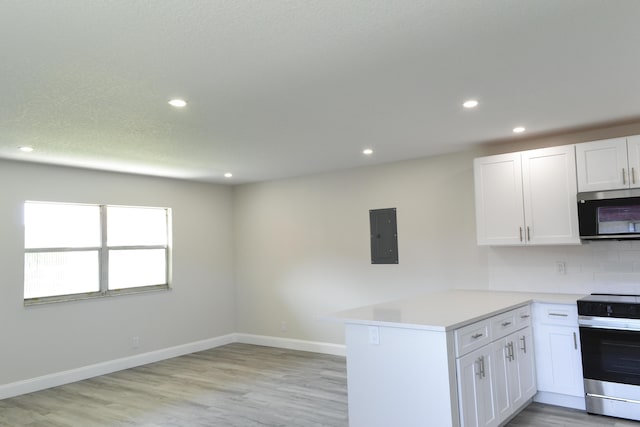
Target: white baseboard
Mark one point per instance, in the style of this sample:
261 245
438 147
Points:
65 377
564 400
85 372
292 344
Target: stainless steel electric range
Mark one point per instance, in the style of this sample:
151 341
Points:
610 339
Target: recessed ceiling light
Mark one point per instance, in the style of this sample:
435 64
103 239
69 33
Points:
472 103
26 149
367 151
179 103
518 129
228 175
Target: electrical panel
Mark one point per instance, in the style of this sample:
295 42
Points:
384 236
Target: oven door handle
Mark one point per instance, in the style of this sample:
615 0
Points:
609 323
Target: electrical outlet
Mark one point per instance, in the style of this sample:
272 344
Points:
561 267
135 342
374 335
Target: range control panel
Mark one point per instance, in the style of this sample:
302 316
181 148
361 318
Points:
619 306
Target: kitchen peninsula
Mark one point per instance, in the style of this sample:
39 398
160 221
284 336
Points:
442 359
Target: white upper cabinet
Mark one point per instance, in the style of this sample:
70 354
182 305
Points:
499 214
633 154
527 198
608 164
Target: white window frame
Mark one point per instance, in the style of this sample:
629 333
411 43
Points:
103 255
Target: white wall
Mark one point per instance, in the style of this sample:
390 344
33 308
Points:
39 340
302 245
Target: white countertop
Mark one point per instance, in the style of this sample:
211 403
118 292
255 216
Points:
444 311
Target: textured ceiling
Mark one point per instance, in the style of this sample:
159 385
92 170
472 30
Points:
292 87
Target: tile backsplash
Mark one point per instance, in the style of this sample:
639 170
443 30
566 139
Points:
611 267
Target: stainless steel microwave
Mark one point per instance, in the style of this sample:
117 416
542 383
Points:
613 214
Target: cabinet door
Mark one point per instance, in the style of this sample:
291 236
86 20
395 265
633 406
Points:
550 203
498 188
513 372
602 165
502 373
476 389
558 360
633 151
526 364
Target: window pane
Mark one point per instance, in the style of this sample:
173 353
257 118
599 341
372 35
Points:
129 226
59 225
60 273
137 267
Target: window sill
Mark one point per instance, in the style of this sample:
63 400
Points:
96 295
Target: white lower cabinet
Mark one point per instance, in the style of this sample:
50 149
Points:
526 364
558 346
558 356
497 379
518 366
505 376
476 389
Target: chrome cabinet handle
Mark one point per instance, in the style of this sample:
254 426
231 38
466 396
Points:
505 324
633 175
525 316
508 353
524 344
575 341
559 314
476 336
624 178
520 228
528 234
480 373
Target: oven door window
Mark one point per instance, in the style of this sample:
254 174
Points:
611 355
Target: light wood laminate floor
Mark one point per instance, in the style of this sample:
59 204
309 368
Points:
539 415
234 385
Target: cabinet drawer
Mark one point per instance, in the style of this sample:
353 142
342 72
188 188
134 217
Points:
504 324
523 317
472 337
556 314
